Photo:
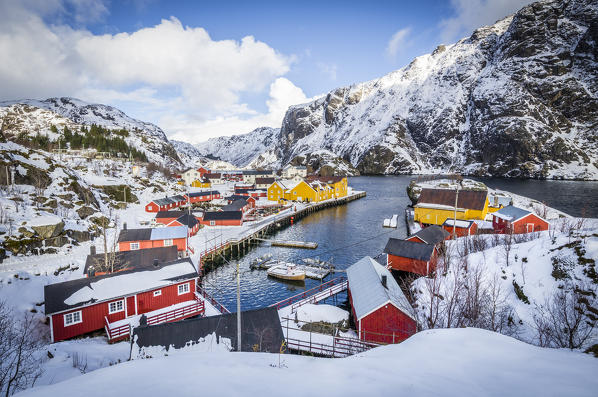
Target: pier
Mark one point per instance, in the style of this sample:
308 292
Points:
236 248
292 244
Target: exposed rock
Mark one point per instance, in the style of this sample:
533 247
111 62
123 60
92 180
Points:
84 194
79 236
85 211
49 231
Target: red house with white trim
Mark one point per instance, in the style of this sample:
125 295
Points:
165 204
516 220
135 239
198 197
222 218
114 302
410 256
188 220
462 227
381 312
432 234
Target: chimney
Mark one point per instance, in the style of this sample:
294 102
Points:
155 263
125 226
92 250
384 281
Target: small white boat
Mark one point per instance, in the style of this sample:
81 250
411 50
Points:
287 271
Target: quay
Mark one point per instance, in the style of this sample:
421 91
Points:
235 248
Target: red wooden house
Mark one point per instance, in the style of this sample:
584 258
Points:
222 218
409 256
243 205
517 220
95 265
381 311
188 220
462 228
432 234
165 217
202 171
165 204
114 302
135 239
197 197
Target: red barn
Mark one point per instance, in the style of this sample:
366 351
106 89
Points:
222 218
163 293
432 234
409 256
517 220
207 195
462 228
381 311
135 239
165 204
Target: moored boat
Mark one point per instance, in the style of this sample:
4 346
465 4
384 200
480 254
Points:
287 271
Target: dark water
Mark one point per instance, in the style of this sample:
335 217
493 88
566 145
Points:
347 233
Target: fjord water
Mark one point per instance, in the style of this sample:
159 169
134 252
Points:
347 233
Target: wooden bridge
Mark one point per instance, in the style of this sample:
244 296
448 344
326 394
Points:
313 295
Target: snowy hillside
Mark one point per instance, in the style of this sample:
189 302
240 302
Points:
240 150
515 99
144 136
453 362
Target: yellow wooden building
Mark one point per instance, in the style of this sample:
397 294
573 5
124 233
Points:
435 206
338 184
199 183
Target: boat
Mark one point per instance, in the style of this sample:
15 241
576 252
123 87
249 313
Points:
287 271
391 222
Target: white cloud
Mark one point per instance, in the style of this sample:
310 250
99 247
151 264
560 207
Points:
397 41
283 93
472 14
172 74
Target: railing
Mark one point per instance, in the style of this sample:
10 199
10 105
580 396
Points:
329 288
117 332
341 347
187 311
213 301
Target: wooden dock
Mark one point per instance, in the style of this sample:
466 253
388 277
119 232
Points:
212 258
292 244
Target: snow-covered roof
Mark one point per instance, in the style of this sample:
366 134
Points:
75 293
458 223
432 234
161 233
511 213
367 291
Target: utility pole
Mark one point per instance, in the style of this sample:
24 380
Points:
238 308
460 182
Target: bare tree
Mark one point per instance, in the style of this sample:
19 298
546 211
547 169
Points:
20 342
507 247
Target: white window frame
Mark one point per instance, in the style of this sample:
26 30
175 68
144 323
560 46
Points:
134 246
184 287
212 223
157 293
72 316
117 309
168 242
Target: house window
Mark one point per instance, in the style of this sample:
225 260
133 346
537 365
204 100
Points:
168 242
183 288
157 293
72 318
212 223
115 307
134 246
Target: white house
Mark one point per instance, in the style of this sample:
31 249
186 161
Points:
292 171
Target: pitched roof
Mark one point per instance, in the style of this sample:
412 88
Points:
236 205
433 234
187 219
409 249
203 193
134 235
511 213
132 259
159 233
212 176
469 199
326 179
80 292
222 215
367 291
169 214
458 223
265 181
254 172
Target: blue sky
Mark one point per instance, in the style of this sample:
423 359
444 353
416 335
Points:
201 69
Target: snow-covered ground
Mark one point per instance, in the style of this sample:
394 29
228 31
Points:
448 362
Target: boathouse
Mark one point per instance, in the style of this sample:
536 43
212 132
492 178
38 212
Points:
112 262
381 312
409 256
435 206
135 239
462 228
164 293
222 218
432 234
516 220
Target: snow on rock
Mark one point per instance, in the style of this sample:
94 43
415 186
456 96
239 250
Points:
451 362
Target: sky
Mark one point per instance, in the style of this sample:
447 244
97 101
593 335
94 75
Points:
202 69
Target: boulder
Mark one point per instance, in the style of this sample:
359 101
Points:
49 230
85 211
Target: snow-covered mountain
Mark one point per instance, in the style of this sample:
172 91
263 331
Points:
32 116
518 98
191 157
240 150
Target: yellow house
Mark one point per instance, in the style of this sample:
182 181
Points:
338 184
276 191
435 206
302 191
198 183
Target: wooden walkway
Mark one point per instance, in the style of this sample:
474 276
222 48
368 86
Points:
313 295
